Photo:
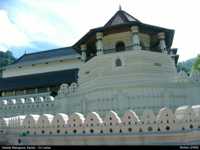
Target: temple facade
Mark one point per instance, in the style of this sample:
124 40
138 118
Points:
117 80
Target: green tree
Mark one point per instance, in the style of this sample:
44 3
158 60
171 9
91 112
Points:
6 58
186 66
196 65
183 67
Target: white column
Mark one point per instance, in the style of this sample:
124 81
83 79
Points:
83 52
99 43
135 38
162 45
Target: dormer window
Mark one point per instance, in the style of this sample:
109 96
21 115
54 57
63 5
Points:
120 46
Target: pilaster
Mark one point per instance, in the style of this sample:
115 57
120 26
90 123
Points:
83 52
135 38
162 44
99 43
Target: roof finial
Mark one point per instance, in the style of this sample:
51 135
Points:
120 7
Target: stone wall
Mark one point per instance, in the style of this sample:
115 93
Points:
185 118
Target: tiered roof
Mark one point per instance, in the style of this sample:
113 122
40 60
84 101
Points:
120 22
44 56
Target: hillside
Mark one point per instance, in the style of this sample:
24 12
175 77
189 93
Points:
186 65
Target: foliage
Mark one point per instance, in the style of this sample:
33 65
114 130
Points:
186 66
6 58
196 65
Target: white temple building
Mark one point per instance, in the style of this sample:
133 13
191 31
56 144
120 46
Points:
117 85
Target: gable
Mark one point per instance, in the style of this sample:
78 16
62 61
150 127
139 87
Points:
117 20
121 17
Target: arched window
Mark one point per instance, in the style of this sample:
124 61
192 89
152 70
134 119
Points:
53 93
74 131
167 128
111 130
150 128
118 62
91 131
120 46
58 131
191 126
42 131
19 141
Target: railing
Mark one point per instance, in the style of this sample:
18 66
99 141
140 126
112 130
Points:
127 48
24 96
107 51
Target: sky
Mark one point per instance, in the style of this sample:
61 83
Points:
35 25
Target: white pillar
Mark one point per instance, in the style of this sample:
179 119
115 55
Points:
83 52
162 45
99 43
135 38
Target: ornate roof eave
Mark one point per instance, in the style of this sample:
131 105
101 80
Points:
46 79
144 27
174 51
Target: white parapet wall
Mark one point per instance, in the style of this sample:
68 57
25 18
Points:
78 128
